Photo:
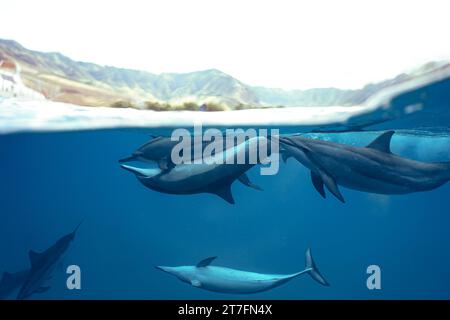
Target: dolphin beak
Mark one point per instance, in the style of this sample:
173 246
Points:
130 158
143 172
165 269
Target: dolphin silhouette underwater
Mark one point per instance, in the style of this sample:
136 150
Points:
226 280
205 177
159 150
42 266
373 169
10 282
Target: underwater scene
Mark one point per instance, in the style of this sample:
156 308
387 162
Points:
358 207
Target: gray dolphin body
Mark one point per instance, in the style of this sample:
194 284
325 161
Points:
371 169
206 177
159 150
226 280
43 265
11 282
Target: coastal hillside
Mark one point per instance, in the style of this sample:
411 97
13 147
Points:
60 78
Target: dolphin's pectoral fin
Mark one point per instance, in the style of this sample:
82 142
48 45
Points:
41 289
205 262
34 257
196 283
326 178
332 186
246 181
383 142
225 193
318 184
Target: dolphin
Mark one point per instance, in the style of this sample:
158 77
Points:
226 280
159 150
205 177
12 281
373 168
43 264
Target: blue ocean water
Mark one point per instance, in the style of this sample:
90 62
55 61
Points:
52 181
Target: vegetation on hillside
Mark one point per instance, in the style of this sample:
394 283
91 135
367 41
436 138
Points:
186 106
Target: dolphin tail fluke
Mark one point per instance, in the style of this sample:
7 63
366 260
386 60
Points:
312 269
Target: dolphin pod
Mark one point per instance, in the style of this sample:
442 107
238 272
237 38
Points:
373 169
206 177
158 150
226 280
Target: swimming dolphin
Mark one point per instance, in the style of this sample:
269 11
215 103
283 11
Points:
12 281
226 280
159 150
373 169
207 177
43 265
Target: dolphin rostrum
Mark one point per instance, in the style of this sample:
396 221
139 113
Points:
226 280
43 264
159 149
373 169
205 177
10 282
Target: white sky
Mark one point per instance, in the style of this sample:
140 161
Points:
275 43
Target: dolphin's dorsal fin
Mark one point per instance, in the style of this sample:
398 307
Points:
225 193
35 257
205 262
383 142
